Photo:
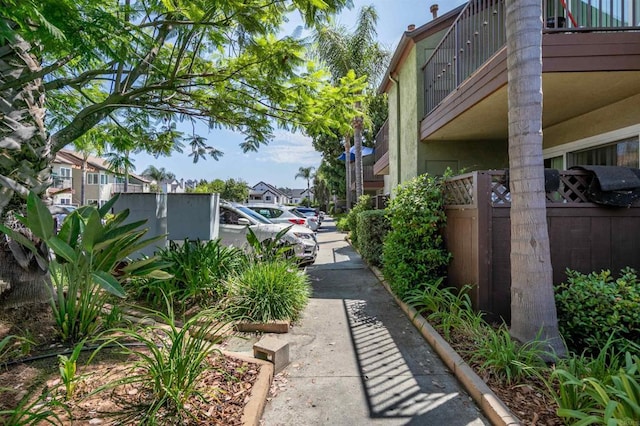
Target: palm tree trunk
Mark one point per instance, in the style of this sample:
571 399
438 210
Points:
25 159
357 142
347 163
533 311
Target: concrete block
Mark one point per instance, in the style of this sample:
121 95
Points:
263 327
272 349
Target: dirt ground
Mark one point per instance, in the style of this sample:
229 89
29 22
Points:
224 388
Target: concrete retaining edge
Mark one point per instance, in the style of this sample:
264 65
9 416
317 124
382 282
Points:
495 410
254 408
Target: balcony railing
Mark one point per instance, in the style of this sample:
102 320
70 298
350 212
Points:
382 141
119 187
61 182
479 32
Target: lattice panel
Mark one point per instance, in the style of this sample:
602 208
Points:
573 189
459 191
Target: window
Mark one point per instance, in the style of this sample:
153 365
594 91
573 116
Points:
65 172
267 198
554 163
104 179
622 153
92 178
65 201
92 202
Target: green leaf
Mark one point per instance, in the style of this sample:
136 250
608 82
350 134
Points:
107 206
62 249
108 282
39 217
92 230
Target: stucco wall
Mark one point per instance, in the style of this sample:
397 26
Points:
464 155
612 117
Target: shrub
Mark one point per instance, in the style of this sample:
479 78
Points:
612 399
499 355
198 270
342 224
171 360
363 204
91 260
371 227
413 250
593 308
268 291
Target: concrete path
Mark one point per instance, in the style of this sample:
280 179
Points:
357 360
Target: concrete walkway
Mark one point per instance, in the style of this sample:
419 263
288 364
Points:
357 360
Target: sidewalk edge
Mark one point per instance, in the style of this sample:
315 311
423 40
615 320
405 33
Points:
254 408
495 410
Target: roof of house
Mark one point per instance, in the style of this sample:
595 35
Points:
95 163
410 38
271 188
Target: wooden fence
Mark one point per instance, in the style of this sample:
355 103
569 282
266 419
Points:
583 236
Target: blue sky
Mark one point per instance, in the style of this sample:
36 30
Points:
278 162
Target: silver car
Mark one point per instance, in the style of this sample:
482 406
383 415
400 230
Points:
235 219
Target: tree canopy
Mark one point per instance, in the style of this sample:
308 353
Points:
230 189
143 65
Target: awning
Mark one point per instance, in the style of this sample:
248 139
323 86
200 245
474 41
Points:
366 151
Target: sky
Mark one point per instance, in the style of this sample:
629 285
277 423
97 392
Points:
278 162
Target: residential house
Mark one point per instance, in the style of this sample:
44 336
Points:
296 196
101 183
266 193
173 186
448 108
61 189
447 88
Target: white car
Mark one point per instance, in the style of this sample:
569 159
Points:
235 219
282 214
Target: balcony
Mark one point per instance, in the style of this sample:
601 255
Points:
370 181
381 165
465 78
119 187
61 182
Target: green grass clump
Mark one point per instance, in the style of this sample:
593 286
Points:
268 291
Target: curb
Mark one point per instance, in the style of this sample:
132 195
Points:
254 408
492 407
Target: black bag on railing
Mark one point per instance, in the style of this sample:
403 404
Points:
612 185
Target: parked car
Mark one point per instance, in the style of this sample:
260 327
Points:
309 212
235 219
60 212
281 214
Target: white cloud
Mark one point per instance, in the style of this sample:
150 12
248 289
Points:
290 148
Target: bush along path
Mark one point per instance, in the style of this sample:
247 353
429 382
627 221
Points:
599 317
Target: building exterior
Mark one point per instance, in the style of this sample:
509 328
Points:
447 88
101 183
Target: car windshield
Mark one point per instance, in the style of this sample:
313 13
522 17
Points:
296 213
256 216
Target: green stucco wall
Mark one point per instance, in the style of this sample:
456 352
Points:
464 155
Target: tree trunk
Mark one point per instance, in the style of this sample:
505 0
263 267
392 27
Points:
533 310
357 142
347 164
25 159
